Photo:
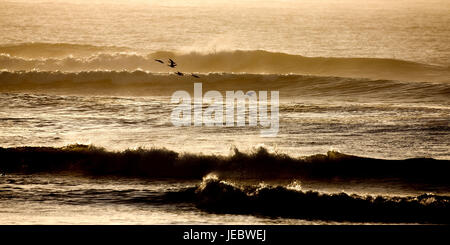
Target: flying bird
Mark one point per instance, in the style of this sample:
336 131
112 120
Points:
160 61
179 73
196 76
172 63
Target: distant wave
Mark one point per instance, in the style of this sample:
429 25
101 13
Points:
144 83
36 50
76 58
260 164
215 195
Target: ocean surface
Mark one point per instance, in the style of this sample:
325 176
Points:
86 135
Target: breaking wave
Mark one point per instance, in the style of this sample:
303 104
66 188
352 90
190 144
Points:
219 196
76 58
226 187
144 83
259 164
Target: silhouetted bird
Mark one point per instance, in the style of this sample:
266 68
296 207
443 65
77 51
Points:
172 63
179 73
196 76
160 61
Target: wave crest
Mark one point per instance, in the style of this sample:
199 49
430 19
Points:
144 83
220 196
259 164
75 58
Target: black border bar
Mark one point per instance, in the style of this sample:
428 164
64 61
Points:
274 234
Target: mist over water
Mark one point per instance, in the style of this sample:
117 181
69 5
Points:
415 30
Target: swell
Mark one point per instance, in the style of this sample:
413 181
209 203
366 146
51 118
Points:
144 83
37 50
219 196
76 58
260 164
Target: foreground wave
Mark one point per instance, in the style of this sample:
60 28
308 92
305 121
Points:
215 195
226 182
219 196
260 164
76 58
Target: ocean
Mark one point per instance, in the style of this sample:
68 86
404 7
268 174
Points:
86 135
